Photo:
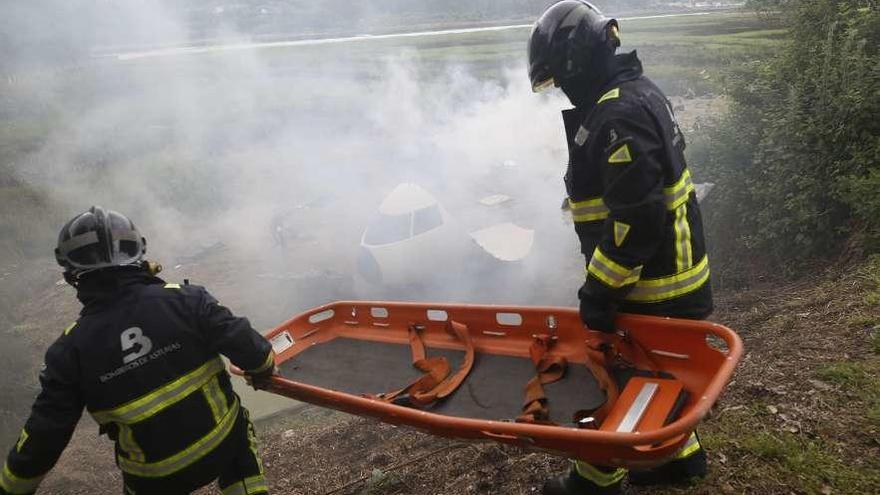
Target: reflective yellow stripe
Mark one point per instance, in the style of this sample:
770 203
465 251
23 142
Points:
215 398
157 400
684 256
16 485
614 93
588 472
678 193
588 210
611 273
256 484
268 363
252 445
622 155
21 440
128 444
69 328
249 486
621 230
661 289
188 456
172 286
691 447
236 488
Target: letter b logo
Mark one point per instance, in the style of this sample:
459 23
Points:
132 338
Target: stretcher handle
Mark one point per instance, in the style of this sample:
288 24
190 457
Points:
507 437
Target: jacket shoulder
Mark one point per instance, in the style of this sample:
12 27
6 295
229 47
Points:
174 289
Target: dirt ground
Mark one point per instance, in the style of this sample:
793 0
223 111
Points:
800 416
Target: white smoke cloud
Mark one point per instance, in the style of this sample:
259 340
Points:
216 146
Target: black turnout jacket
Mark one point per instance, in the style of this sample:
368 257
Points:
633 201
144 360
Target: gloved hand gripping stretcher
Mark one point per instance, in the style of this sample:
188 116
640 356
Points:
528 376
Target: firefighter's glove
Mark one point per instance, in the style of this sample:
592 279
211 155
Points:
597 313
261 380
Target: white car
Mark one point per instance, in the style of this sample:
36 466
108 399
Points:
414 248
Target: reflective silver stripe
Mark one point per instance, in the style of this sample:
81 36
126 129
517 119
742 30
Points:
188 456
15 485
684 257
678 193
588 210
661 289
588 472
638 408
612 274
215 398
79 241
154 402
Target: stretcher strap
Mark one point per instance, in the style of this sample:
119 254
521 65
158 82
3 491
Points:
552 368
549 369
436 382
598 359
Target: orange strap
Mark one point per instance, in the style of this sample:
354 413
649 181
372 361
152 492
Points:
549 369
552 368
598 359
436 383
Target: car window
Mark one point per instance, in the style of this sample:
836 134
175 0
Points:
387 229
427 219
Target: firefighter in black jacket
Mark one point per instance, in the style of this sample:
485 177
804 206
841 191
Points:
631 198
144 360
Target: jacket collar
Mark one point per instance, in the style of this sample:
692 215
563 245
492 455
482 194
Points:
619 69
104 287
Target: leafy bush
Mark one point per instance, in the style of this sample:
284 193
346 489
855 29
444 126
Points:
798 158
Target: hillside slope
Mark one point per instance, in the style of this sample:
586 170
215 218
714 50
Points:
802 415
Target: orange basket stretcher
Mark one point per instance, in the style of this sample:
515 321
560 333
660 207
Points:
527 376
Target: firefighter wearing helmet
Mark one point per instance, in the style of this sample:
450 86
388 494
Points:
144 360
631 198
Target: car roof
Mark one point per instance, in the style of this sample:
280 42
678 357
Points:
406 198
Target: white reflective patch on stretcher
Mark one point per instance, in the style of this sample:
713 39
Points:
638 408
281 342
581 137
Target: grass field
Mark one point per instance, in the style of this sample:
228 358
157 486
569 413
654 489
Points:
682 53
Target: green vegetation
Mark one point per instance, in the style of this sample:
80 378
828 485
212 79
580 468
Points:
797 161
859 378
786 461
870 277
380 482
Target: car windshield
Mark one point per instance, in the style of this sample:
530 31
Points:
388 229
427 219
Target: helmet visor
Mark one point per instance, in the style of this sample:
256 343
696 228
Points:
543 85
